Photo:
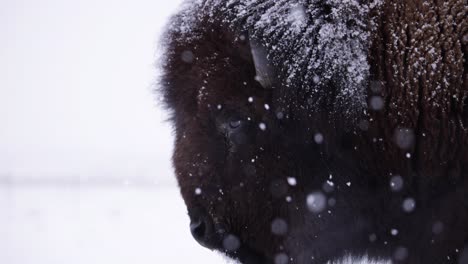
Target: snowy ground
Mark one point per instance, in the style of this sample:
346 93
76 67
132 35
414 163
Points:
87 225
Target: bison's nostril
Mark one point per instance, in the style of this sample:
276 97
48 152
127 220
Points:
198 229
203 229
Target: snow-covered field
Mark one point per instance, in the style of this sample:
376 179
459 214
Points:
87 225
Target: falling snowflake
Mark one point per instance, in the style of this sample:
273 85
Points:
292 181
316 202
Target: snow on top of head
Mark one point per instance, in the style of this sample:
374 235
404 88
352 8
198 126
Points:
315 45
359 260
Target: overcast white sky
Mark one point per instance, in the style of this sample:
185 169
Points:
75 90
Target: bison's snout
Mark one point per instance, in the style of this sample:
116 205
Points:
202 228
198 229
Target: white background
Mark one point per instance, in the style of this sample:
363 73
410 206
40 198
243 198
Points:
84 149
75 89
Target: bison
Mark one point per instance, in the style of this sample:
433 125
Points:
314 131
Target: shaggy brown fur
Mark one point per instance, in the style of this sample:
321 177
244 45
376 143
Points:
232 172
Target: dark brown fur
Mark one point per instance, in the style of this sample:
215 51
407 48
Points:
242 172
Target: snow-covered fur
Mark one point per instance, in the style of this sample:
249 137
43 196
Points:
311 130
313 45
361 260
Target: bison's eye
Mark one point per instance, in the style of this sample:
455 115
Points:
235 124
234 130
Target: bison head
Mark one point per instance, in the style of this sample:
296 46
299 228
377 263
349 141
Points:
274 163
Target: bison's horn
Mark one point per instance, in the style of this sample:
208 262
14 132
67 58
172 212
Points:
263 68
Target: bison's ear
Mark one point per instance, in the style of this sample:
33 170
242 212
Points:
263 68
